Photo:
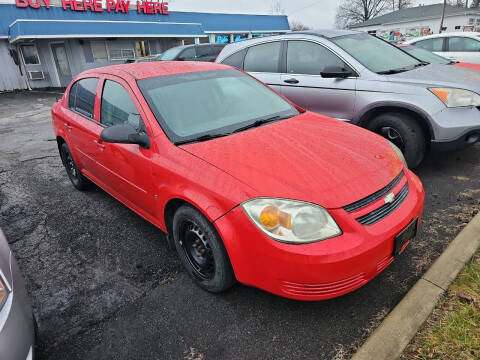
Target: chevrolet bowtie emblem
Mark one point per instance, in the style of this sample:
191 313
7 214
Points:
389 198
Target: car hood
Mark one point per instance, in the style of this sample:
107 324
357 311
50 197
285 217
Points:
308 157
440 75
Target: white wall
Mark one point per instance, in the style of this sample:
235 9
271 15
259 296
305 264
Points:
434 24
10 78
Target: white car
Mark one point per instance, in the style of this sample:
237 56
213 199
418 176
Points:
457 46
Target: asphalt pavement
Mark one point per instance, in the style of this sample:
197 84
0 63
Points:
105 285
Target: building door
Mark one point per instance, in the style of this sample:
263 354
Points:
61 63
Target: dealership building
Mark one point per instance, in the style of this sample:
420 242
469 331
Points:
421 20
44 43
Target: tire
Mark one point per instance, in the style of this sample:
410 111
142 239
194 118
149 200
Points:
76 177
403 131
201 250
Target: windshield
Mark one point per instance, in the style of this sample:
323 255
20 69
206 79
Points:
425 55
170 54
375 54
211 104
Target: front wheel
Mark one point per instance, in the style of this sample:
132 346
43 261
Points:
201 250
404 132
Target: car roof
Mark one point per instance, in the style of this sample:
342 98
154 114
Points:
147 70
449 34
327 33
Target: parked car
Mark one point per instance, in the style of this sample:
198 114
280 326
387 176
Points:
430 57
249 186
199 52
17 329
356 77
457 46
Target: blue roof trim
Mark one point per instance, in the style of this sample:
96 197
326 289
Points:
30 29
209 22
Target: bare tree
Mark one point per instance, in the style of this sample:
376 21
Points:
298 26
277 8
475 3
351 12
401 4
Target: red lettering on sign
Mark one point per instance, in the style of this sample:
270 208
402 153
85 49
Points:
122 6
140 6
110 5
67 3
34 4
164 9
21 3
78 6
98 5
88 5
47 3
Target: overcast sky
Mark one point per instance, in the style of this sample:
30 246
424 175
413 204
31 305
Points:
316 14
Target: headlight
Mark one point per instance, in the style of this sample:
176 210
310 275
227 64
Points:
452 97
398 152
291 221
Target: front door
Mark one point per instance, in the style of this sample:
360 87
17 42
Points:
125 168
61 63
304 85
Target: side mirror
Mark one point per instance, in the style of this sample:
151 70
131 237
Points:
331 72
125 134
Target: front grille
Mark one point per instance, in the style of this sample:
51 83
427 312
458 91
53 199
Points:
374 197
324 289
382 212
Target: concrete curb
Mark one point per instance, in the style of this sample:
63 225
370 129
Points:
395 332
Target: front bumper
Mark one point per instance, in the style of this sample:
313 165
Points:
463 141
16 320
455 128
320 270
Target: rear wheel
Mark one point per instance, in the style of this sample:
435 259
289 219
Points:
76 177
404 132
201 250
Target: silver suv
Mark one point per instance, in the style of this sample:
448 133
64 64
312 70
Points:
356 77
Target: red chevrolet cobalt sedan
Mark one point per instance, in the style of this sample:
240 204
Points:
247 185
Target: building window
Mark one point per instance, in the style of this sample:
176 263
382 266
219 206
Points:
222 38
122 54
471 21
444 28
478 21
99 51
142 48
30 55
457 27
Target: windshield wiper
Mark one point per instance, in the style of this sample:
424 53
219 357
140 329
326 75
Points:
201 138
400 70
261 122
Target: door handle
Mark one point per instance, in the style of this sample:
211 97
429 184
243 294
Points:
67 125
99 144
291 81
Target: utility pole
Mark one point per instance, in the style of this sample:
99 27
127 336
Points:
443 16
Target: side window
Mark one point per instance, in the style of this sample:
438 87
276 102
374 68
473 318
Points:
236 59
435 44
82 97
463 44
188 54
72 96
117 106
263 58
305 57
204 52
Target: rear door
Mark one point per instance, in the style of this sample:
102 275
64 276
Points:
125 168
463 49
83 129
303 84
262 61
